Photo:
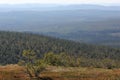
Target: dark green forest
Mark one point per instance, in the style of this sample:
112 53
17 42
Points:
12 45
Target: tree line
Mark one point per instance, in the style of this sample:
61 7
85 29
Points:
12 44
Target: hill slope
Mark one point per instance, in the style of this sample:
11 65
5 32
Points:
13 43
66 20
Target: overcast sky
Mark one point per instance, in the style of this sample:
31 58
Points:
104 2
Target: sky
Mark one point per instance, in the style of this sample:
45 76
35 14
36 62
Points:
102 2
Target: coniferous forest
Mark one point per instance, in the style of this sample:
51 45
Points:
12 45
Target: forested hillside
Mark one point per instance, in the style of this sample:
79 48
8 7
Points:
86 23
12 45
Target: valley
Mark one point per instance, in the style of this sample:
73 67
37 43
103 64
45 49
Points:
94 24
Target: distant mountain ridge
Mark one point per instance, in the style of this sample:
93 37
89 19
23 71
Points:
85 22
46 7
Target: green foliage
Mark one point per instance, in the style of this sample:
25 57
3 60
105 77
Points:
97 63
28 54
12 44
51 59
108 63
61 59
33 65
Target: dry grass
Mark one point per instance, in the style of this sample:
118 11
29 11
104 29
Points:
61 73
15 72
12 72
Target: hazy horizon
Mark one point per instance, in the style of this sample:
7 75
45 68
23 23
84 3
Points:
63 2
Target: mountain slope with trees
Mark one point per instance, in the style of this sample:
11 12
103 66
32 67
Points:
12 45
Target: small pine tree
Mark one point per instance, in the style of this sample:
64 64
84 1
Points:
33 65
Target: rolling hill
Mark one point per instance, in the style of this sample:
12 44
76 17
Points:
12 45
83 23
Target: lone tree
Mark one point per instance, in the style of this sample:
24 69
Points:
33 65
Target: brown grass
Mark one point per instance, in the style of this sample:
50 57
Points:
15 72
12 72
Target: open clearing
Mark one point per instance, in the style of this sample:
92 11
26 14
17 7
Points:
15 72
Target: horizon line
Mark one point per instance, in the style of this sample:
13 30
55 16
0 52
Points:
60 4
